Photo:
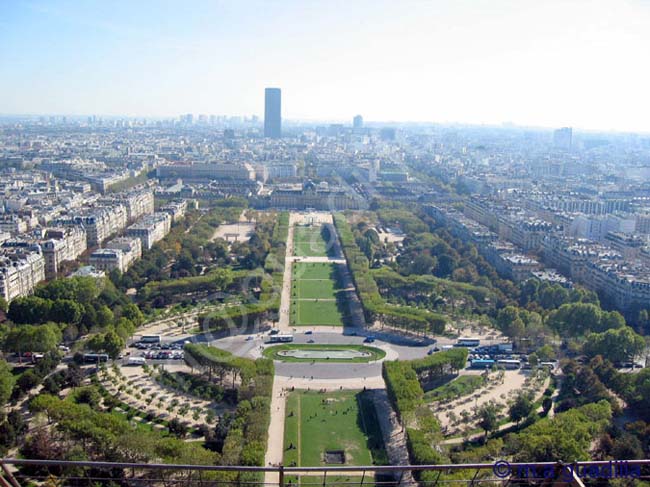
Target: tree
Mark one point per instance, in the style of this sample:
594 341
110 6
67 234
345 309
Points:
132 313
547 404
567 435
487 417
66 311
30 309
520 408
109 342
113 344
575 319
27 381
74 374
516 329
88 395
611 320
423 264
11 430
627 447
33 338
616 345
506 316
545 353
446 265
104 316
7 381
177 428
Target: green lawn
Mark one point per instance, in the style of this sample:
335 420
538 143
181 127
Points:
308 242
272 352
314 289
307 234
314 270
315 296
331 480
310 249
306 313
316 423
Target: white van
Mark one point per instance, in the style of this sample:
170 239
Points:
136 361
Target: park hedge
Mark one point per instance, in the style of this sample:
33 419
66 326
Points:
374 305
403 378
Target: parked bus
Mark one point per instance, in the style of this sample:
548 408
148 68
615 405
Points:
468 342
280 338
482 364
509 363
93 358
150 339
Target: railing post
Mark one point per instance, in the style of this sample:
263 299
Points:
9 475
281 476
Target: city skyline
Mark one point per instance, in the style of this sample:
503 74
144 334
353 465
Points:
440 62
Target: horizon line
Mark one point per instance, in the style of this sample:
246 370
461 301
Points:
346 121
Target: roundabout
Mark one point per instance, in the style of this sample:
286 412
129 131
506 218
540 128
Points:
324 353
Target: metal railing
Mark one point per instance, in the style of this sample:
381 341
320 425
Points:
56 473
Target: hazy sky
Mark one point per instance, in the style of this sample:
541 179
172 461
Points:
541 62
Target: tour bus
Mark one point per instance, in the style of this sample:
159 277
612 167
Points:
509 363
547 365
93 358
281 338
468 342
482 364
150 339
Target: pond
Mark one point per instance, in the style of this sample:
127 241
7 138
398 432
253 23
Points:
324 354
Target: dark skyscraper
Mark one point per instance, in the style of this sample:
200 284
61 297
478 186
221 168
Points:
272 113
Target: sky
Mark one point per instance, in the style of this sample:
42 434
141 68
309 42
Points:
580 63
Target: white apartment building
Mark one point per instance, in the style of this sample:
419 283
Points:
138 203
107 259
20 272
176 209
103 222
131 248
151 229
12 224
60 245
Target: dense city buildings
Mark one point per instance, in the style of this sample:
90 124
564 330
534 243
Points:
521 234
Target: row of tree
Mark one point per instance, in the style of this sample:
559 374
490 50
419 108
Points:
375 307
66 308
403 378
240 438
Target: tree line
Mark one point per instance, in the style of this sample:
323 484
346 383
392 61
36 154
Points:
375 307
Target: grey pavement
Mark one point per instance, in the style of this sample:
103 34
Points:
393 433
